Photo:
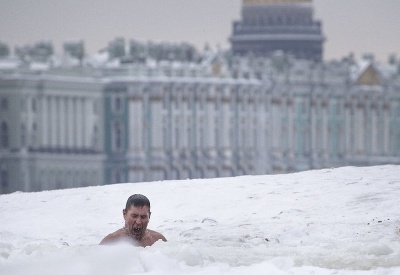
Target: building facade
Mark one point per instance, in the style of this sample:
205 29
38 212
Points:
51 132
233 116
180 128
270 25
133 123
327 114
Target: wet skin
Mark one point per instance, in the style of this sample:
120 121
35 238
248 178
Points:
135 229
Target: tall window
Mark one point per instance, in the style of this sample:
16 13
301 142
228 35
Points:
34 135
165 101
117 136
4 104
4 135
95 139
118 104
189 137
177 140
34 105
95 107
4 181
118 175
23 105
23 135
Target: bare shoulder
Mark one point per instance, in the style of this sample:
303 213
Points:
156 235
113 237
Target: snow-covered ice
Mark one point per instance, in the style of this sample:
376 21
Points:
332 221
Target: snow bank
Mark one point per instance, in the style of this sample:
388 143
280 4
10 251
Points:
332 221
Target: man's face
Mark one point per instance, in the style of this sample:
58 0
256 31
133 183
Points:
136 220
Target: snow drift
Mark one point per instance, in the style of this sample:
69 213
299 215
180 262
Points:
331 221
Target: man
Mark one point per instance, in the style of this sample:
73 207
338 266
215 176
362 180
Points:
136 215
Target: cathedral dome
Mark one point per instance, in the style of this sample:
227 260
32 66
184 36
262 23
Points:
267 26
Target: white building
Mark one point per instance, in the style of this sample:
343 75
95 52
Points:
51 131
167 120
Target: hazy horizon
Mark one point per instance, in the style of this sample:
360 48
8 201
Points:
357 26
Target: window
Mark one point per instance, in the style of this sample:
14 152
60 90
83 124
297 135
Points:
95 139
165 99
117 136
177 138
23 105
164 136
117 103
176 102
34 105
4 181
303 107
34 134
95 108
118 176
4 135
23 135
189 137
4 104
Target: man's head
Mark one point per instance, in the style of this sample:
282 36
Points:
137 215
137 200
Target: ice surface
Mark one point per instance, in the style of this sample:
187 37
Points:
331 221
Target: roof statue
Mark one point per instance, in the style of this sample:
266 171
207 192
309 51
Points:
275 1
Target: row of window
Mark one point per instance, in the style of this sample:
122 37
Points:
4 104
5 136
277 20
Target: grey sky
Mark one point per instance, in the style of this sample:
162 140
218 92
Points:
359 26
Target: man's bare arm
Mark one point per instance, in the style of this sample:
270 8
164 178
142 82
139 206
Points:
111 238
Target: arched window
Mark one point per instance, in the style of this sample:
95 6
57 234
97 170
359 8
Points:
4 135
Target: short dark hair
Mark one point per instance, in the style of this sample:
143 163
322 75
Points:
137 200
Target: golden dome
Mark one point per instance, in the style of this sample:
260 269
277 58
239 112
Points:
275 1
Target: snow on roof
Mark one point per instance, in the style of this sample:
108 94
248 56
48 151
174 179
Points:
7 64
39 66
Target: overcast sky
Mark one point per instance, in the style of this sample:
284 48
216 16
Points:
358 26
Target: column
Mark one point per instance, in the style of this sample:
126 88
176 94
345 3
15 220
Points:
43 123
70 121
62 122
386 130
84 124
74 122
78 125
53 122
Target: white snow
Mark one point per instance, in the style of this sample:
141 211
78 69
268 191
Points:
333 221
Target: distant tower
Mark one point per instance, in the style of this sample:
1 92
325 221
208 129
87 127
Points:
271 25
